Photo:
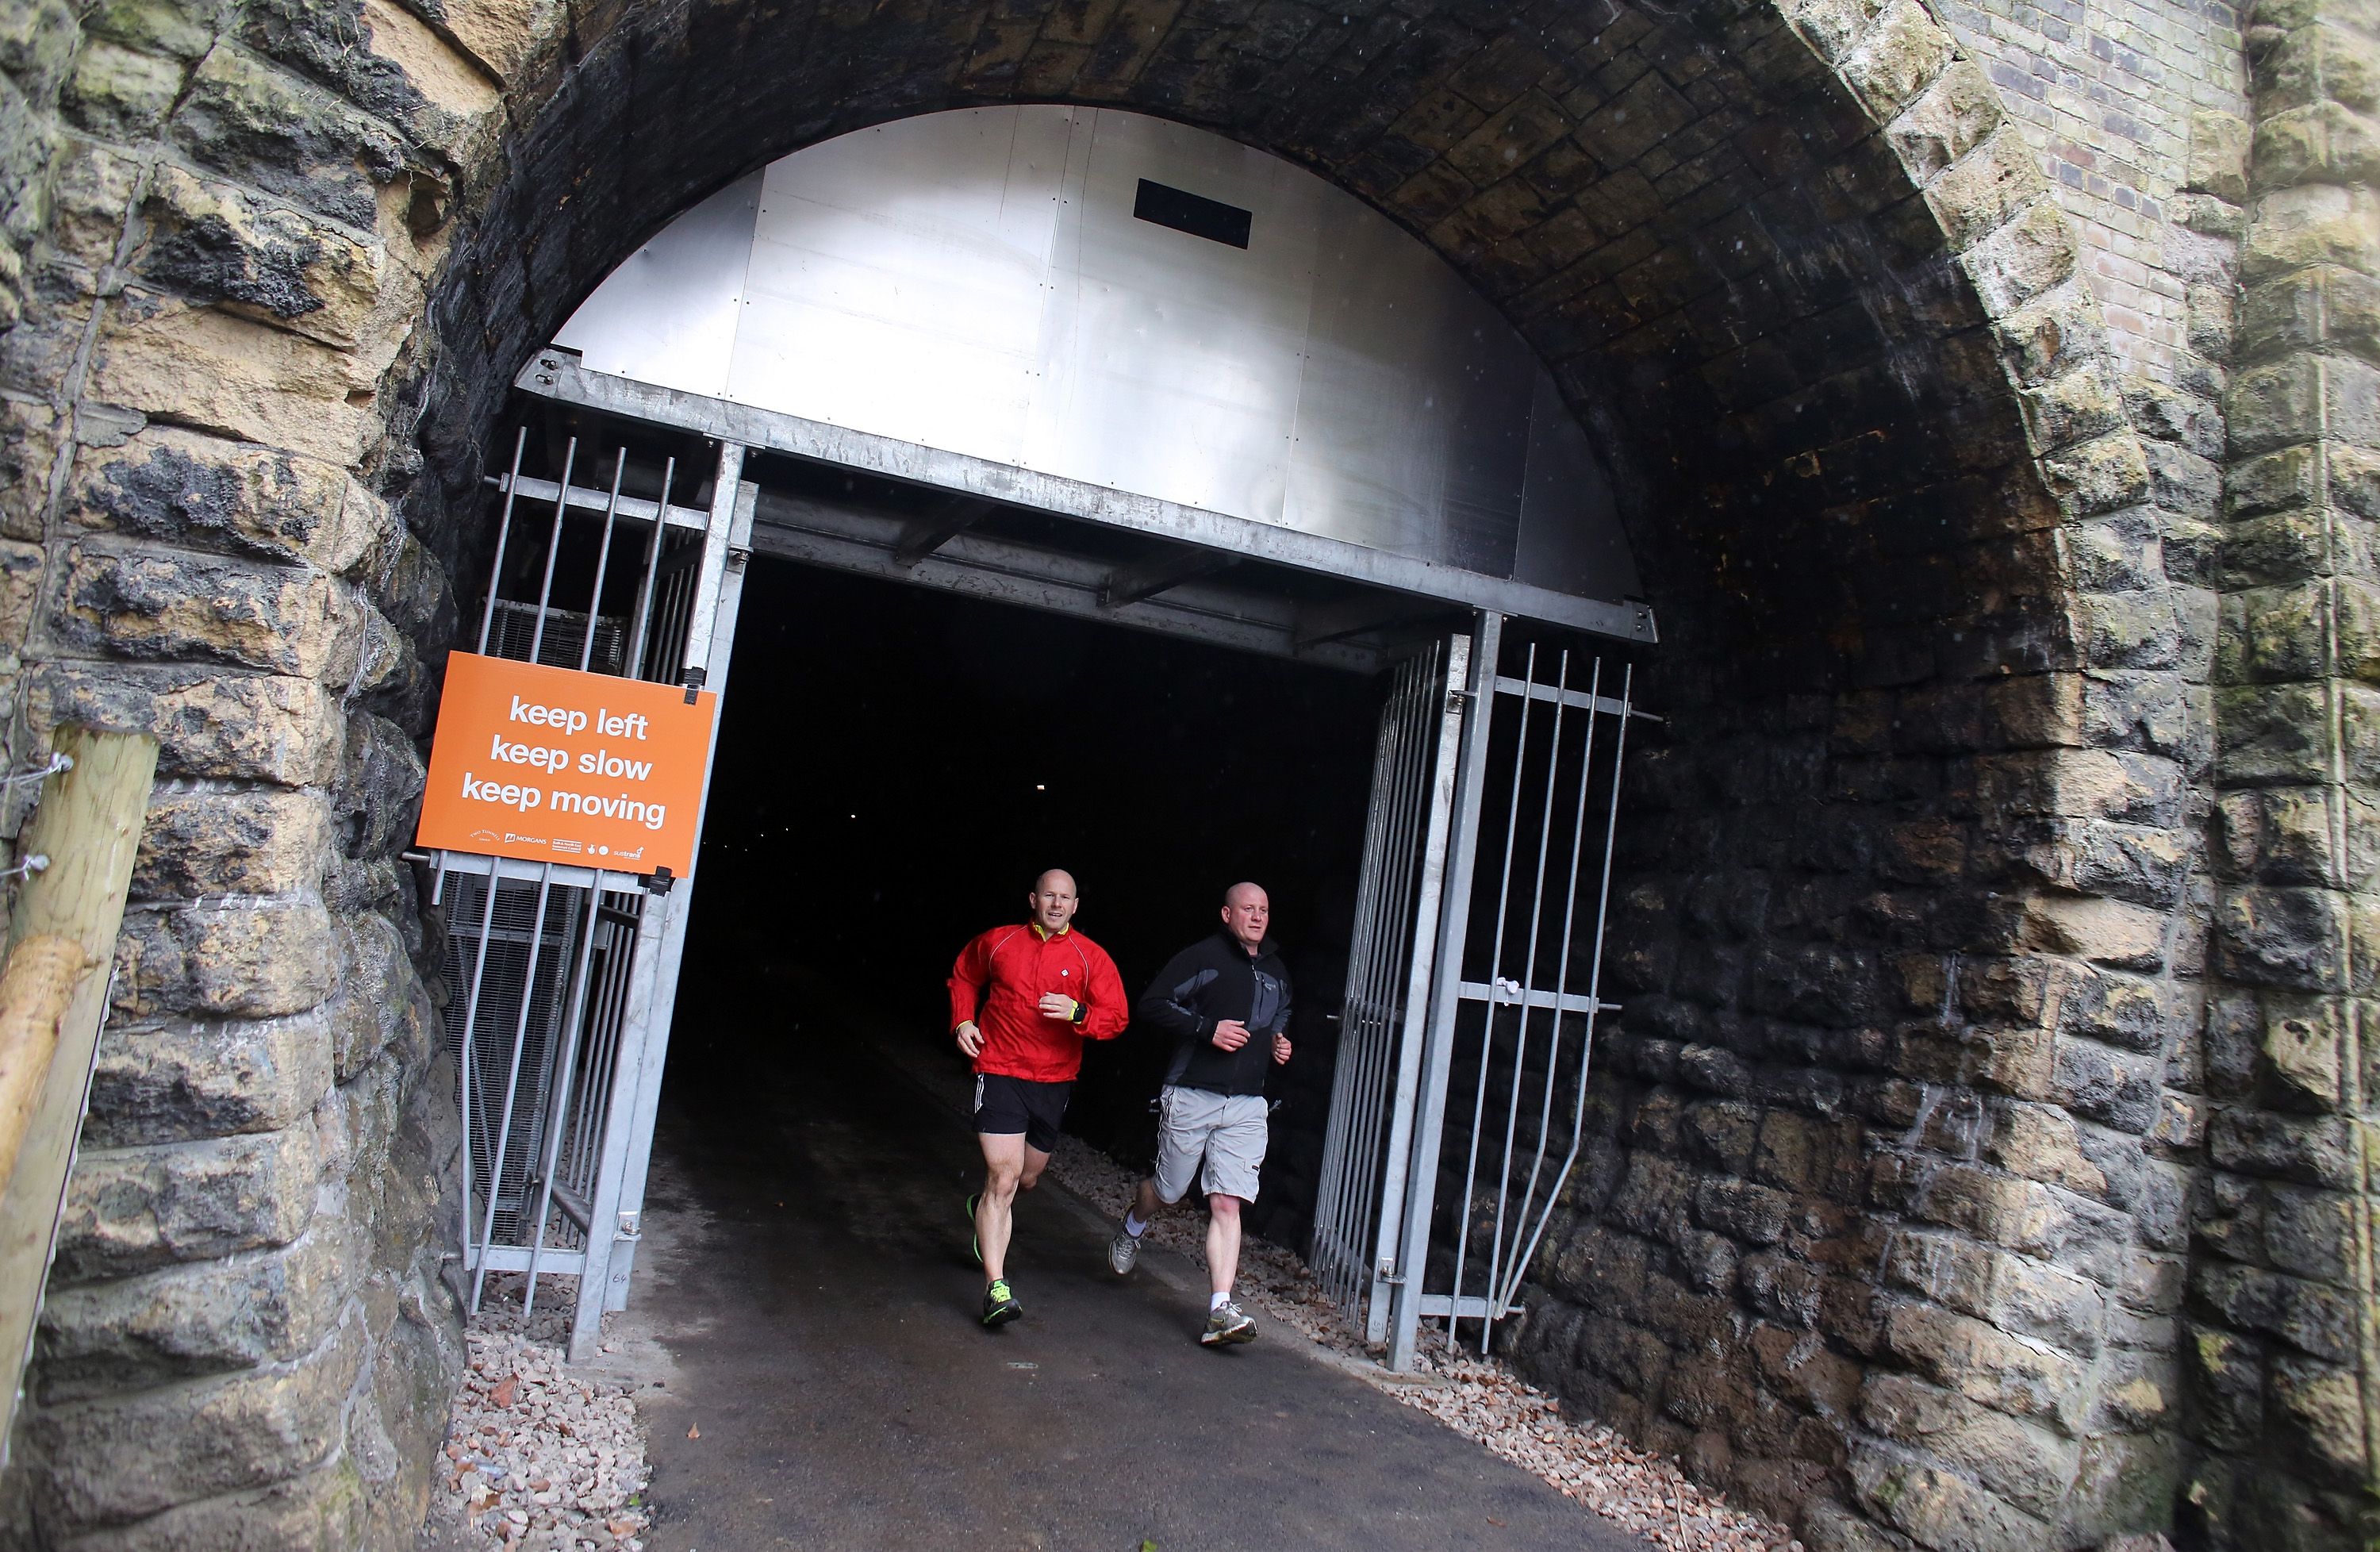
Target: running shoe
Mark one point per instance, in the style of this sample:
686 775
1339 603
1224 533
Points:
1000 1306
1228 1323
974 1240
1123 1250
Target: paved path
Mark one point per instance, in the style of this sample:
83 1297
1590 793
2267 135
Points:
806 1303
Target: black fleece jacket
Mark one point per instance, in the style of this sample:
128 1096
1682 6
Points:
1212 980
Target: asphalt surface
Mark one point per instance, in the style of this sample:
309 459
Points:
806 1305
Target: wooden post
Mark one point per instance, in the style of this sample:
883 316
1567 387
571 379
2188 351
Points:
53 999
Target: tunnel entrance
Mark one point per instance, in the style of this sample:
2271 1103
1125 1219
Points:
997 353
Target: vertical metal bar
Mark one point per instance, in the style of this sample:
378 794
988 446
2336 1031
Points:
604 1229
558 1099
1445 977
1353 1155
632 660
503 532
1510 1280
1495 974
723 582
1529 985
464 1060
602 562
724 493
553 551
1453 709
1334 1240
1594 974
512 1085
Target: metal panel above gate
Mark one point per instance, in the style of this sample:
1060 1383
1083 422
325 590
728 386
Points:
1125 320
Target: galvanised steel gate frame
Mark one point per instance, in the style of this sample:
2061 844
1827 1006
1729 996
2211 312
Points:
1509 1009
564 976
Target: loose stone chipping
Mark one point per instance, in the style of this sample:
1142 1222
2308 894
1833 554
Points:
537 1458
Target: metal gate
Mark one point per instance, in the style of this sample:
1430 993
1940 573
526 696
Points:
1459 1101
562 977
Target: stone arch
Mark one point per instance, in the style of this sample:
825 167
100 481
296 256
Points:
1886 1222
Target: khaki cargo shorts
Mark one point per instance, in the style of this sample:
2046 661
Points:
1227 1131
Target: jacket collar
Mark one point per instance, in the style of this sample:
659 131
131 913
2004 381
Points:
1264 950
1043 935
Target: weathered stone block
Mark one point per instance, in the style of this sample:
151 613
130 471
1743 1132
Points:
329 1506
1979 192
2102 475
2309 1150
184 29
209 1317
2272 735
1948 119
2301 398
2313 223
2313 1317
213 242
2124 1487
2021 259
206 492
2019 1377
135 1456
2294 939
161 356
1942 1510
121 94
2219 155
253 958
381 1002
179 1080
2319 1410
197 843
2025 1462
2316 142
266 126
132 1210
208 723
1897 59
173 605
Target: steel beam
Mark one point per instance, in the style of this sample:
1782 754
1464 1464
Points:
557 374
847 537
957 514
1142 579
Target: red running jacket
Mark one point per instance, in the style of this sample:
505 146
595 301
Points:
999 981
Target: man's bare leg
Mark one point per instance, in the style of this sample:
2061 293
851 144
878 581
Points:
1010 1165
1222 1241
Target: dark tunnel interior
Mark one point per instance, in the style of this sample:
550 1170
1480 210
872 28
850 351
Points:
897 765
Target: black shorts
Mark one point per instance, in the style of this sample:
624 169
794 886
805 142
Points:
1005 1106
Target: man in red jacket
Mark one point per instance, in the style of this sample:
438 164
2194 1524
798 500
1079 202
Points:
1024 998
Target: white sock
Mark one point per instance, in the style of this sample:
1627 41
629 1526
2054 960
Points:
1217 1301
1134 1226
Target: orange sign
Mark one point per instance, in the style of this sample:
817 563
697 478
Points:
552 765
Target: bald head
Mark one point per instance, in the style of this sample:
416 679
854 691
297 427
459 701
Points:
1247 913
1053 899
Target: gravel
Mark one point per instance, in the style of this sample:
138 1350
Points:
537 1458
1477 1397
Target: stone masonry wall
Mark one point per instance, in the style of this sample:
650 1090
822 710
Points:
2114 96
2280 1316
206 264
1887 1224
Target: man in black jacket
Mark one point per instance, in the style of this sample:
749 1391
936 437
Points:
1224 1002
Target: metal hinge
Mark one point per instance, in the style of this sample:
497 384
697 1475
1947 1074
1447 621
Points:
628 1226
